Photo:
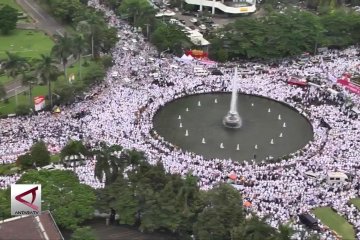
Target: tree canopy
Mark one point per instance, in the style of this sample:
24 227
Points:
151 199
69 201
285 34
8 19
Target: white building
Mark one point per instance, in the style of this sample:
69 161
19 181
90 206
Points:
226 6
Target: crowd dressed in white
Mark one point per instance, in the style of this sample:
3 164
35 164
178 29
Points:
120 111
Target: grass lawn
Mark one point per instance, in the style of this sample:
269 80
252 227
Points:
11 3
25 43
7 108
7 169
356 202
55 158
335 222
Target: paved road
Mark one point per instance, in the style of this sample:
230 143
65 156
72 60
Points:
123 232
42 21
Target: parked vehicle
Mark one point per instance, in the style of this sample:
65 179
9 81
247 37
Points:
186 13
202 27
308 221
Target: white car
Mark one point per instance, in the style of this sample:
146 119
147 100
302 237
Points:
169 13
159 14
193 20
202 27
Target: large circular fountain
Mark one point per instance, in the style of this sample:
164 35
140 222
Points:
268 128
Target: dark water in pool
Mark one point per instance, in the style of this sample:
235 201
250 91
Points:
259 127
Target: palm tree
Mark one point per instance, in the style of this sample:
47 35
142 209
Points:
108 163
14 65
63 50
29 79
2 91
80 47
188 190
47 71
74 148
132 157
89 27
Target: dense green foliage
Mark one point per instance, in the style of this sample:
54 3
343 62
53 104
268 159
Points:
69 201
169 36
40 154
83 233
151 199
73 148
8 19
141 14
92 24
2 91
37 157
289 34
5 208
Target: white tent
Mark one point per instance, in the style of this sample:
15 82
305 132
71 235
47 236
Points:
184 57
190 57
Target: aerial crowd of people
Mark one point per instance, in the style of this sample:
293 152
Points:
121 109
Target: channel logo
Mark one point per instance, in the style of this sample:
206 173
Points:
25 199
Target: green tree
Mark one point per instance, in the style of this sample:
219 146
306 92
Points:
90 26
222 212
169 36
96 75
2 91
62 50
48 72
40 154
108 163
125 201
277 35
60 187
22 109
100 37
342 28
161 209
14 65
67 91
80 48
5 208
285 232
8 19
29 79
66 10
25 161
139 11
254 229
74 148
83 233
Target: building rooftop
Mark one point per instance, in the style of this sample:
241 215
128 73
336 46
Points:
30 227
